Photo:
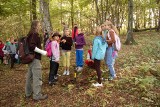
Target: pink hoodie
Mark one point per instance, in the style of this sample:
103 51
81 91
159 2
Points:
55 51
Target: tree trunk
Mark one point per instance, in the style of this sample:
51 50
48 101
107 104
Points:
72 13
102 20
98 20
34 10
44 9
158 2
130 39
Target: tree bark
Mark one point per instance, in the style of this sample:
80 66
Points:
158 2
72 13
130 39
98 19
34 15
44 9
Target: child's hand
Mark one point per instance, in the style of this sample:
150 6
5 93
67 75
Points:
64 41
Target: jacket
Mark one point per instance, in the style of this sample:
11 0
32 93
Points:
99 48
55 51
67 45
11 48
33 42
80 41
1 52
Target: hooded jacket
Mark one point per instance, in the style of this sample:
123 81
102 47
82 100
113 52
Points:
80 41
99 48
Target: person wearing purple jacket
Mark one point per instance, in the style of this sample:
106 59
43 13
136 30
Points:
79 43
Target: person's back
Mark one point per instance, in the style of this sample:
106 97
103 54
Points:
34 75
99 48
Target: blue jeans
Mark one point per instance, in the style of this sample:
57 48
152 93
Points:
79 58
110 61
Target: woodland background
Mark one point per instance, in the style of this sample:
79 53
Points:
137 66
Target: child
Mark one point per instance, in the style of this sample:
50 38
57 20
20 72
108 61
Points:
98 53
66 43
89 62
110 53
79 42
1 52
12 51
6 53
74 32
54 61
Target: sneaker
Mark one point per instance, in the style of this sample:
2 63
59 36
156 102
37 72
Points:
97 84
67 73
56 78
27 97
111 78
43 97
79 69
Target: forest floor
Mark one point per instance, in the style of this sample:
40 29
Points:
137 83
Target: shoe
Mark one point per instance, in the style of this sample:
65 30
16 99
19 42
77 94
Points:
27 97
56 78
43 97
98 85
79 69
52 83
111 78
67 73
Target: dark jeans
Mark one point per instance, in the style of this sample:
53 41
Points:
97 68
12 56
53 70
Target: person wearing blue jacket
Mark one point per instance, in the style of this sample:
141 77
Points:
98 54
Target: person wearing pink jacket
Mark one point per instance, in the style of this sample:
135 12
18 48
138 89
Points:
54 60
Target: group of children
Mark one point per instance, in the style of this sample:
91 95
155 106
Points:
8 51
102 48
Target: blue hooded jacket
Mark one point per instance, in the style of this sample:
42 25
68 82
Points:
99 48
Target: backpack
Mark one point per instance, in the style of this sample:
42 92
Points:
117 44
25 55
48 49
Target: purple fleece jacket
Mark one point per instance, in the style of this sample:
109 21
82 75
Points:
80 41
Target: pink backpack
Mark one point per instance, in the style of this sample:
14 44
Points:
48 49
117 44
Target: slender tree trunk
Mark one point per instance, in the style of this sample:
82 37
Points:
34 9
44 9
98 20
130 39
144 14
102 18
72 13
158 2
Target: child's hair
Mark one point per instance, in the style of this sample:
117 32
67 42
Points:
109 23
98 31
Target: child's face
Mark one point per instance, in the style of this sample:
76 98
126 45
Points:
56 38
107 27
79 31
67 32
103 27
94 31
99 29
12 40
